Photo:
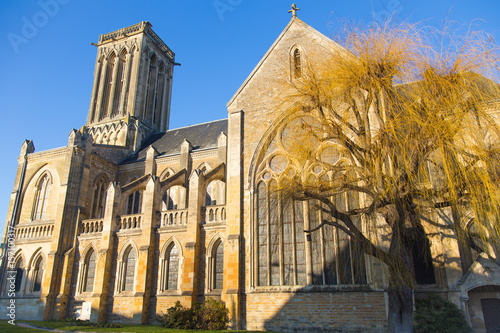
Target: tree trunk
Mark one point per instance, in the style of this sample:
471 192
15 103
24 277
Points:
400 317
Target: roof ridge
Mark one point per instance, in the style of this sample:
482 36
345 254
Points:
208 122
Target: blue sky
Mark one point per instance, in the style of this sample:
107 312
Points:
47 62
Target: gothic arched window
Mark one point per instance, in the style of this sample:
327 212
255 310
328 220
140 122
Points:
89 271
279 220
128 269
108 82
19 275
158 101
217 265
95 94
37 274
170 268
99 201
133 203
151 88
41 198
120 77
297 64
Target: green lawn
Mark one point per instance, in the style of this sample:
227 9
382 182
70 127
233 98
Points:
5 327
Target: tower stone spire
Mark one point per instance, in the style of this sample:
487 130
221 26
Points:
132 86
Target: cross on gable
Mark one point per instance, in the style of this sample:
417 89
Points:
294 10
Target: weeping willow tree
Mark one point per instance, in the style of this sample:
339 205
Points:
412 129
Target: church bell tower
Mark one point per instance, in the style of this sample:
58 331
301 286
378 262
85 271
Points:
132 87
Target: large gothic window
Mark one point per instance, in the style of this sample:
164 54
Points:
41 198
170 268
99 200
284 253
133 205
89 271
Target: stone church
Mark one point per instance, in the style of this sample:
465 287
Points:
131 216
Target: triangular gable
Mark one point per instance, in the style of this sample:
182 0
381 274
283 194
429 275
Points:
294 21
484 271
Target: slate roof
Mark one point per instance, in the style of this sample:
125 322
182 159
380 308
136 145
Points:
201 136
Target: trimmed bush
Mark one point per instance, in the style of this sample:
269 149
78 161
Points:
434 314
209 315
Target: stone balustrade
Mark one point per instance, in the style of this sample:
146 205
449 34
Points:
130 222
171 218
34 231
215 213
91 226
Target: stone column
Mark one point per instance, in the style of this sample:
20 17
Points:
104 257
232 264
189 282
144 278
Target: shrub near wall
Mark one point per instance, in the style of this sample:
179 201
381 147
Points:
436 315
209 315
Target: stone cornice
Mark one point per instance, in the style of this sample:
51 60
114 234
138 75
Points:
55 152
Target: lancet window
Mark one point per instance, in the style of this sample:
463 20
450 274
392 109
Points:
37 274
133 205
99 199
297 64
169 265
41 198
127 271
89 266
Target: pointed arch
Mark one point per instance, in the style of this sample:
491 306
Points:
159 95
36 271
108 82
19 265
41 199
215 263
87 269
297 61
278 221
204 167
119 85
166 173
127 267
100 188
151 87
95 94
171 259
